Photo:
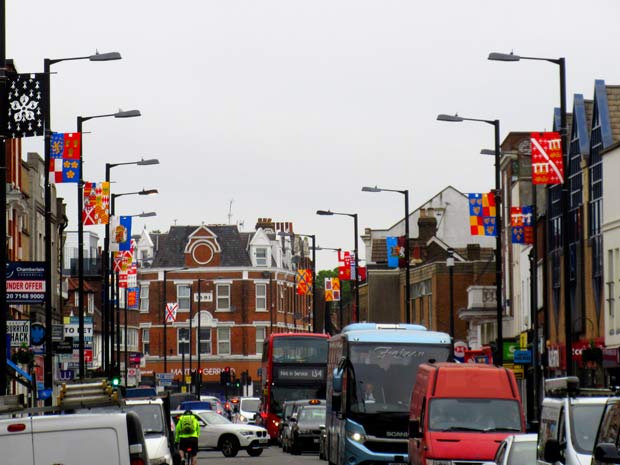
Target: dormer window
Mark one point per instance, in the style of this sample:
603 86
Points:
261 256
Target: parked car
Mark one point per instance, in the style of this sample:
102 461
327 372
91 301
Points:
289 414
516 449
195 405
218 405
306 428
156 427
219 433
74 439
569 421
323 443
140 392
607 441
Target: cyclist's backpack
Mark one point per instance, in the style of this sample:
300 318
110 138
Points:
187 424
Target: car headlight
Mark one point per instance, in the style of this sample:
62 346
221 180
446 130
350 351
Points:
242 418
357 437
247 433
438 462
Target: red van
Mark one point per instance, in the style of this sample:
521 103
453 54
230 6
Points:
462 411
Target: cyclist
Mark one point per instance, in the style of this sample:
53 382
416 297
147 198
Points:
186 436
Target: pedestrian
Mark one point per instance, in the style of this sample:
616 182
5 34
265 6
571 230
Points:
186 437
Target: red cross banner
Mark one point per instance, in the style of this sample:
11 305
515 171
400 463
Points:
547 161
171 312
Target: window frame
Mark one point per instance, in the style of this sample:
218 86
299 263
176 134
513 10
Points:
222 340
219 297
181 341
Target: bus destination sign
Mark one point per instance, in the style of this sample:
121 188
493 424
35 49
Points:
290 373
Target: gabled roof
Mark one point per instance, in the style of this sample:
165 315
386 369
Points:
172 246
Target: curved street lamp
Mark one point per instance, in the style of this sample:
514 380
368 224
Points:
108 316
47 64
80 190
499 353
357 273
405 193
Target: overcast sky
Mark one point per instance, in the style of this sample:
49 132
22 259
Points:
286 107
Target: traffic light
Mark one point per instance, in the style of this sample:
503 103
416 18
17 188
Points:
225 376
115 381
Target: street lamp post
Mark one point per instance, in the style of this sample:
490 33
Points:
108 317
126 339
328 323
47 64
450 265
117 365
499 352
314 303
199 372
357 274
568 313
407 252
80 201
164 298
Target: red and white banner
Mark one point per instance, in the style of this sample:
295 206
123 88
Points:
547 162
171 312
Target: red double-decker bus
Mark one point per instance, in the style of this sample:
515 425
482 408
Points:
294 368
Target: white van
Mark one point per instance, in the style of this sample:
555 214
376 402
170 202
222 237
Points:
569 421
248 408
156 427
95 439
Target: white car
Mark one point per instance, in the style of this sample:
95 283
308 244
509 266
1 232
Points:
517 449
219 433
153 420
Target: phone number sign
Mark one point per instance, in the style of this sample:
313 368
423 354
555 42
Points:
25 282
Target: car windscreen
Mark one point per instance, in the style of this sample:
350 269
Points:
150 416
522 453
213 418
312 415
585 419
250 405
477 415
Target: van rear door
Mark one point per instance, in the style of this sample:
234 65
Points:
79 439
16 441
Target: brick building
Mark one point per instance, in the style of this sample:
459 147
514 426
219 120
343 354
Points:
237 286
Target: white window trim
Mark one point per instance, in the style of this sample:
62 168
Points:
229 340
266 248
266 309
229 308
185 341
147 286
189 297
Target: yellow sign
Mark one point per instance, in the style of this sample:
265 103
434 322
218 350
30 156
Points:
516 369
183 388
523 340
188 379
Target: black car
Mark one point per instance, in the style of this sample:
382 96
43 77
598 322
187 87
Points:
306 428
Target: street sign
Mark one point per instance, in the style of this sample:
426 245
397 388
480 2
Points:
19 331
57 332
169 376
64 347
25 282
164 382
37 333
523 356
